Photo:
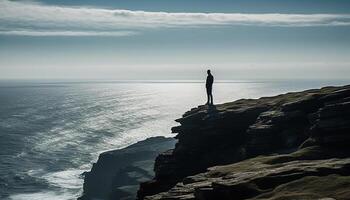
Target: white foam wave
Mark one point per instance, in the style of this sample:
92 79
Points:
43 195
68 179
68 184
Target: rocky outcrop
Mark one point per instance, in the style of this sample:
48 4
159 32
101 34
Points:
317 122
310 173
117 173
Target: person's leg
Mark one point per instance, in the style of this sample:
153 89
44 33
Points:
208 96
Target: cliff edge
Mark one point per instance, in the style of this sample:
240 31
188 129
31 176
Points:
290 146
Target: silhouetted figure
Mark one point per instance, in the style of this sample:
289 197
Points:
209 86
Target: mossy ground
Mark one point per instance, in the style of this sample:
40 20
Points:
312 187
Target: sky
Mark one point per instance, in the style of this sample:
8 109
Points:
174 40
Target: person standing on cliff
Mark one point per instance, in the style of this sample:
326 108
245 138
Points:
209 86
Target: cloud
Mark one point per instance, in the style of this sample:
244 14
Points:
67 33
35 19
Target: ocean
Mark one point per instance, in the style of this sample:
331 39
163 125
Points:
52 131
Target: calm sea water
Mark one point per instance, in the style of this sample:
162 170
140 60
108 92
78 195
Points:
51 132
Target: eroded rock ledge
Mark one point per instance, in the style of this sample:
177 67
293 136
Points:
309 132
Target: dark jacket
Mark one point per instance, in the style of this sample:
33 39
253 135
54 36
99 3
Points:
209 82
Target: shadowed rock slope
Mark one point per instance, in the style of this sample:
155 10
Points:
290 146
117 173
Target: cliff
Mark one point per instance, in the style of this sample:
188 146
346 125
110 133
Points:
117 173
290 146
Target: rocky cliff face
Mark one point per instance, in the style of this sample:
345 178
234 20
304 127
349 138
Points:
310 131
117 173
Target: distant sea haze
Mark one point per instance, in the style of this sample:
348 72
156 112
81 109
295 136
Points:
51 131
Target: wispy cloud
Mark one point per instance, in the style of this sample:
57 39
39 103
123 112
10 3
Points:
34 19
67 33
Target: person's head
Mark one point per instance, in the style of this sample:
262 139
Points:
208 71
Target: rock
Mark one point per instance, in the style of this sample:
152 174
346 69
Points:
337 109
210 136
335 96
117 173
329 187
201 145
305 174
332 127
309 103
